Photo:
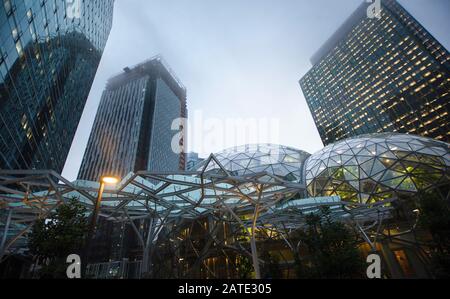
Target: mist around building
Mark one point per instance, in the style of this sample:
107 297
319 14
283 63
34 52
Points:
373 203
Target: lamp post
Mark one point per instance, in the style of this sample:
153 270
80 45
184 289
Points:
104 180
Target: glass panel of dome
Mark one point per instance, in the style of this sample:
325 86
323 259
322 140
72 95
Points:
334 161
348 160
318 169
348 176
427 151
290 159
417 142
292 168
393 183
354 170
355 184
226 163
377 167
407 185
381 148
339 174
439 151
363 159
402 146
291 177
366 167
432 160
389 174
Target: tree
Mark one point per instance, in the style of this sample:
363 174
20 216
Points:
244 267
331 249
271 267
435 217
53 239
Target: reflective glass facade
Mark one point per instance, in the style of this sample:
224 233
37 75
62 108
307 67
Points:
380 75
192 159
133 127
49 54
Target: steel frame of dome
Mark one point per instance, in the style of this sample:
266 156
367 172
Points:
253 180
285 162
374 168
166 198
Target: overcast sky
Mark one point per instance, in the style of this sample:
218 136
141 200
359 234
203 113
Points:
237 58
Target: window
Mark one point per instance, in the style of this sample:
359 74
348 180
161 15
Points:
19 49
8 7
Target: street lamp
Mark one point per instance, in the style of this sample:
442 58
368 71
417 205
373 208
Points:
109 180
104 180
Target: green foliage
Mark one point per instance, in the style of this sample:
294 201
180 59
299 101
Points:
271 267
58 236
332 249
245 268
435 217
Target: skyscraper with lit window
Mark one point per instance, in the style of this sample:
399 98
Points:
376 75
134 127
49 54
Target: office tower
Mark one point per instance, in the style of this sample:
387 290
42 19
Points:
133 131
192 159
380 75
49 54
133 127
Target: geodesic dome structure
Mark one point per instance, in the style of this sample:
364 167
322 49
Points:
377 167
284 162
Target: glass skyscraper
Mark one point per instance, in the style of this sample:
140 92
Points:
49 54
376 75
192 159
133 129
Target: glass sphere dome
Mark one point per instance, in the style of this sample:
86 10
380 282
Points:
373 168
284 162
